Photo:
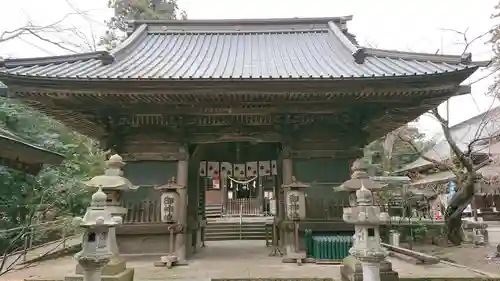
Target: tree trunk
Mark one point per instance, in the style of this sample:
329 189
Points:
453 214
453 225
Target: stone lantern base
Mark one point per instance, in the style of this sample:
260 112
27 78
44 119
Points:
111 272
351 270
127 275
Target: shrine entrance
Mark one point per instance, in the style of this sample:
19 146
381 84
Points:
240 177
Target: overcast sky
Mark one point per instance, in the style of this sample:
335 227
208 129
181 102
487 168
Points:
419 26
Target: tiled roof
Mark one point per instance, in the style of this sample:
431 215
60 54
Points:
440 181
16 148
318 48
481 126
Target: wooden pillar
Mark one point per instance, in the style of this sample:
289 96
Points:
287 170
279 215
223 190
287 178
182 179
194 221
191 213
260 193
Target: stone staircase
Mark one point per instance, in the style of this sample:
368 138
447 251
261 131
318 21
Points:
213 211
232 230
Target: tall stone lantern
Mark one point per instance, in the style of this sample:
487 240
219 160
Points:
113 184
352 268
295 206
96 250
367 219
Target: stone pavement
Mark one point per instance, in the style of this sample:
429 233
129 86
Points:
54 247
235 259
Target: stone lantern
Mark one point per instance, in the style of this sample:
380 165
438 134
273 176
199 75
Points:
96 250
367 219
170 201
171 214
113 184
295 199
359 176
352 268
295 205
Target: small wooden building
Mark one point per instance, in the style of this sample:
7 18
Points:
429 178
301 93
17 153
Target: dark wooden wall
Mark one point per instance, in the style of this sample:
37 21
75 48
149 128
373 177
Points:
148 174
322 174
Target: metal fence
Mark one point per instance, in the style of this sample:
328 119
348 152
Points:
244 206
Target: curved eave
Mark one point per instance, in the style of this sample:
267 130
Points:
465 71
361 53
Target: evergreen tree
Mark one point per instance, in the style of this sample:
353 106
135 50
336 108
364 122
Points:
126 10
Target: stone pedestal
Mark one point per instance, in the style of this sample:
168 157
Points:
352 270
117 275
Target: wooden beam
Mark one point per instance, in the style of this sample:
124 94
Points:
316 153
91 108
131 156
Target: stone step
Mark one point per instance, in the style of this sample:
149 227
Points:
236 233
234 230
231 231
220 231
213 211
226 238
232 224
213 207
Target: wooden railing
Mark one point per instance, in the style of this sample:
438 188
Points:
332 208
243 206
325 208
142 212
316 209
35 241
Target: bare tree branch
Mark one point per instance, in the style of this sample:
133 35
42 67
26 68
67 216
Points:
40 32
465 38
453 145
438 163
